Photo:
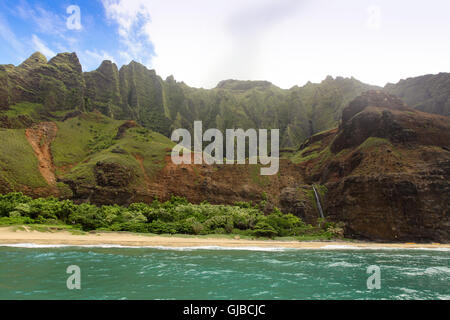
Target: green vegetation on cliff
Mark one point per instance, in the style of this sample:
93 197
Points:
18 164
81 136
429 93
137 93
90 139
176 216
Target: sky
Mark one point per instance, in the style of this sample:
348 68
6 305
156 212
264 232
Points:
201 42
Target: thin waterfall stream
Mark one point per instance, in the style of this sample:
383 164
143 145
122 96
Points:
319 206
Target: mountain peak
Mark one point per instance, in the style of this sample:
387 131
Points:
107 66
136 63
232 84
372 98
66 58
170 79
35 59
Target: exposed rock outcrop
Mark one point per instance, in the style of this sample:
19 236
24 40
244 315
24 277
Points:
58 84
429 93
376 114
386 167
388 174
123 128
40 138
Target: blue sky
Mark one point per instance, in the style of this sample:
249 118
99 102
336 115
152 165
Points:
27 26
201 42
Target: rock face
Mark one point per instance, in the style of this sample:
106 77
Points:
243 85
392 207
137 93
40 138
113 185
57 84
376 114
429 93
103 91
388 176
384 171
124 127
112 175
226 184
296 201
142 92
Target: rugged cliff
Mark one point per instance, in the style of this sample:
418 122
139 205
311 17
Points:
429 93
386 170
101 137
134 92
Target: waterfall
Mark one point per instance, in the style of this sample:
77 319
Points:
319 206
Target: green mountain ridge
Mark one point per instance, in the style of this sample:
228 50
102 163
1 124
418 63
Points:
134 92
101 137
137 93
429 93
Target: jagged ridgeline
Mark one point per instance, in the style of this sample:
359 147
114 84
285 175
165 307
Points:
363 156
137 93
429 93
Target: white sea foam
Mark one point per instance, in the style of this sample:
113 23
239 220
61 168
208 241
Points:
37 246
343 264
342 247
191 248
409 291
268 249
349 247
33 245
437 270
430 271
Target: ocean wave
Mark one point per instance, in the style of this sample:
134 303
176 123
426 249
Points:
430 271
118 246
438 270
33 245
344 264
349 247
219 248
223 248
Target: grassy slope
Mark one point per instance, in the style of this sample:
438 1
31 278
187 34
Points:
18 163
79 144
318 155
79 137
85 140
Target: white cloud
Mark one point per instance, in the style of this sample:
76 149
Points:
73 22
46 21
40 46
99 56
287 42
91 59
374 17
132 17
8 35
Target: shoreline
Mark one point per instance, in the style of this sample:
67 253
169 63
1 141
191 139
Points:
28 238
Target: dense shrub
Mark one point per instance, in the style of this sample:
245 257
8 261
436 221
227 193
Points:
263 229
170 217
10 201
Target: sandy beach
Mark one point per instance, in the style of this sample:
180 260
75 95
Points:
10 235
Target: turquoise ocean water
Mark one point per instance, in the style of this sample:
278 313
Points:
39 272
